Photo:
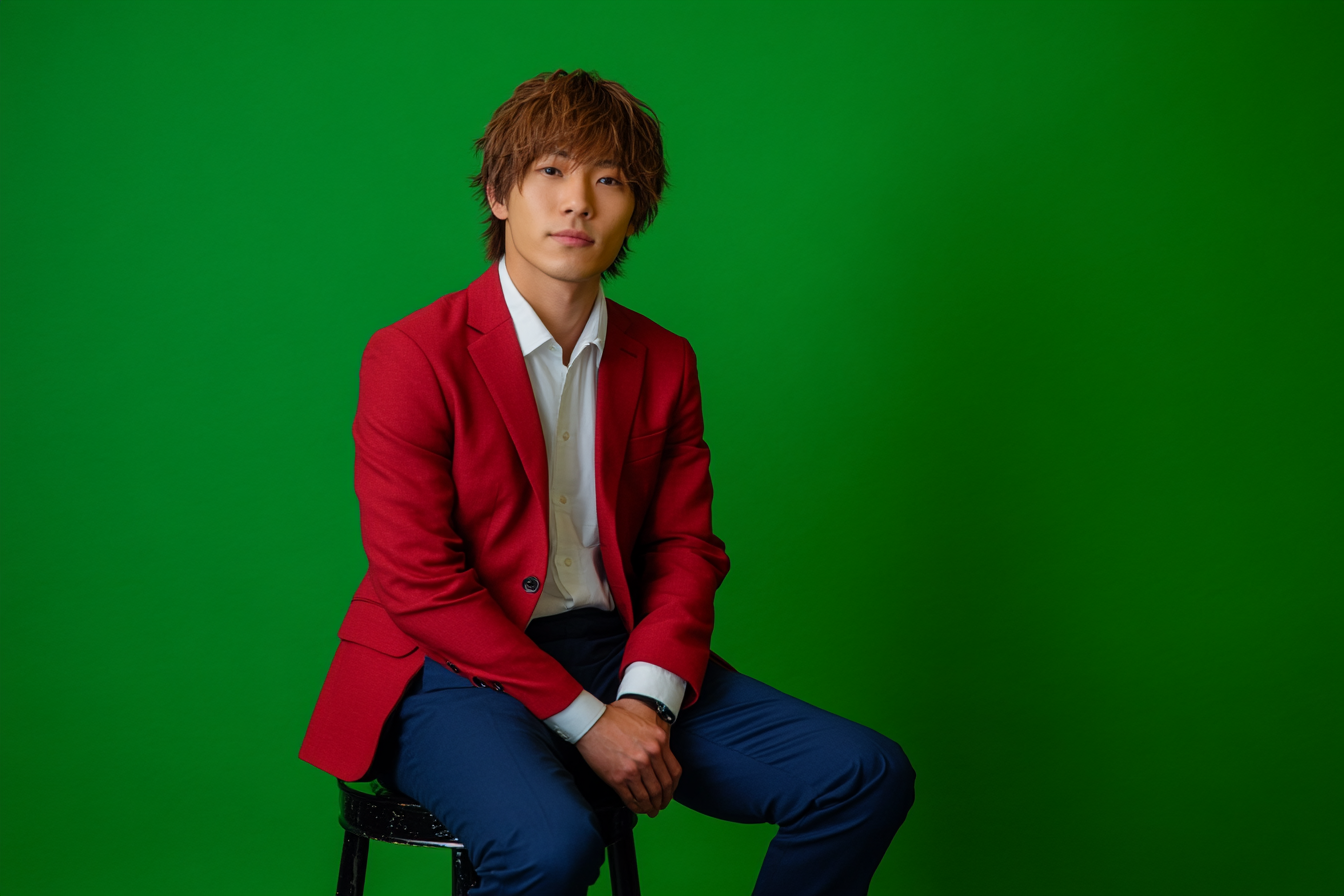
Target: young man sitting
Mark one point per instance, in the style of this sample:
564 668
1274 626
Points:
535 505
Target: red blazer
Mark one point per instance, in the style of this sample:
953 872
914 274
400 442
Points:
452 479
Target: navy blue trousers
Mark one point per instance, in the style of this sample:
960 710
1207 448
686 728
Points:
512 790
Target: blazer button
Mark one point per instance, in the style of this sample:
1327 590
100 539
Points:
497 686
531 585
454 668
480 684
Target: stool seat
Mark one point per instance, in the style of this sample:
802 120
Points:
381 814
369 811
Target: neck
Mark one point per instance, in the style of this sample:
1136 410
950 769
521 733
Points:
562 305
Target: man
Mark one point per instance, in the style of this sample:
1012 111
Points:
535 504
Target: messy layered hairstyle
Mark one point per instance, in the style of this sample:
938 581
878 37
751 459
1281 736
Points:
587 117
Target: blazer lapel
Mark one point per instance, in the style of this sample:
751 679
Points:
619 379
500 362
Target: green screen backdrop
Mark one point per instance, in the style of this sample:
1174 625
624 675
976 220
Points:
1019 327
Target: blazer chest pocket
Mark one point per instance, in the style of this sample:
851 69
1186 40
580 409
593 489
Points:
645 446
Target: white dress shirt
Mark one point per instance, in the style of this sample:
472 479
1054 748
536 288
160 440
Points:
567 403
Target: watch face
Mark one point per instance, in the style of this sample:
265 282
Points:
657 706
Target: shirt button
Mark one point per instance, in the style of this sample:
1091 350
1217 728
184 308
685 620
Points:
565 436
569 562
564 500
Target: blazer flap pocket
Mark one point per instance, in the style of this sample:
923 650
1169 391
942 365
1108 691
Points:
646 445
367 623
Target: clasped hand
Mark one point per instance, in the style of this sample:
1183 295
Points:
629 748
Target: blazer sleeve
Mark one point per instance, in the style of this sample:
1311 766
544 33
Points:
677 557
403 434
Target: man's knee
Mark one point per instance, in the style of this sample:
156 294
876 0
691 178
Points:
895 780
874 775
561 857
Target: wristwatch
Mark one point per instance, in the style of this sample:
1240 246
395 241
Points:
658 706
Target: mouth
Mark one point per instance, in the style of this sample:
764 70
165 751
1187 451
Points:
572 238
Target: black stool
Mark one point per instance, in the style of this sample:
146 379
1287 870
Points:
371 812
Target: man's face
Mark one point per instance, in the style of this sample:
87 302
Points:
565 219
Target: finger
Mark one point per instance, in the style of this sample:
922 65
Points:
653 787
640 794
673 766
673 769
628 798
665 783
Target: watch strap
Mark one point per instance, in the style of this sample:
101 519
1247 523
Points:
658 706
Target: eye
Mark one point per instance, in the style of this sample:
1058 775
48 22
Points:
609 181
550 169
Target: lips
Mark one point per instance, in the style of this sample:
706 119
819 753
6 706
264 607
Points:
573 237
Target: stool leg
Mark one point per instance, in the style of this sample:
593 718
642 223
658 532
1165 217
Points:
354 858
621 866
464 876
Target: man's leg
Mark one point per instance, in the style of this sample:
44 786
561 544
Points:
497 778
837 790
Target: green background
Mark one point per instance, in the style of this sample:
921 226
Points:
1020 330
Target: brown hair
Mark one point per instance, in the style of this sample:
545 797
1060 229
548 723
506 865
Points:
587 117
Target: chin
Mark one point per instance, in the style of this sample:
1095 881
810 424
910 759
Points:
572 270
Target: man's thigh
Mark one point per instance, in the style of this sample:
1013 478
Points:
753 754
498 779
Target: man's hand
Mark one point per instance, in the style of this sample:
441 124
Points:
628 748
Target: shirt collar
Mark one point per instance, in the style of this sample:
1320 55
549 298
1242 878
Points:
532 333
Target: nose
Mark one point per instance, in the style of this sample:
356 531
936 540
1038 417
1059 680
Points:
578 199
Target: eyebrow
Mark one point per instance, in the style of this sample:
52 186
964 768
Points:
600 163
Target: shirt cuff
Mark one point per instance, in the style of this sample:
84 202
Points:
574 720
656 682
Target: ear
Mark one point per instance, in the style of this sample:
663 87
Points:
500 209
